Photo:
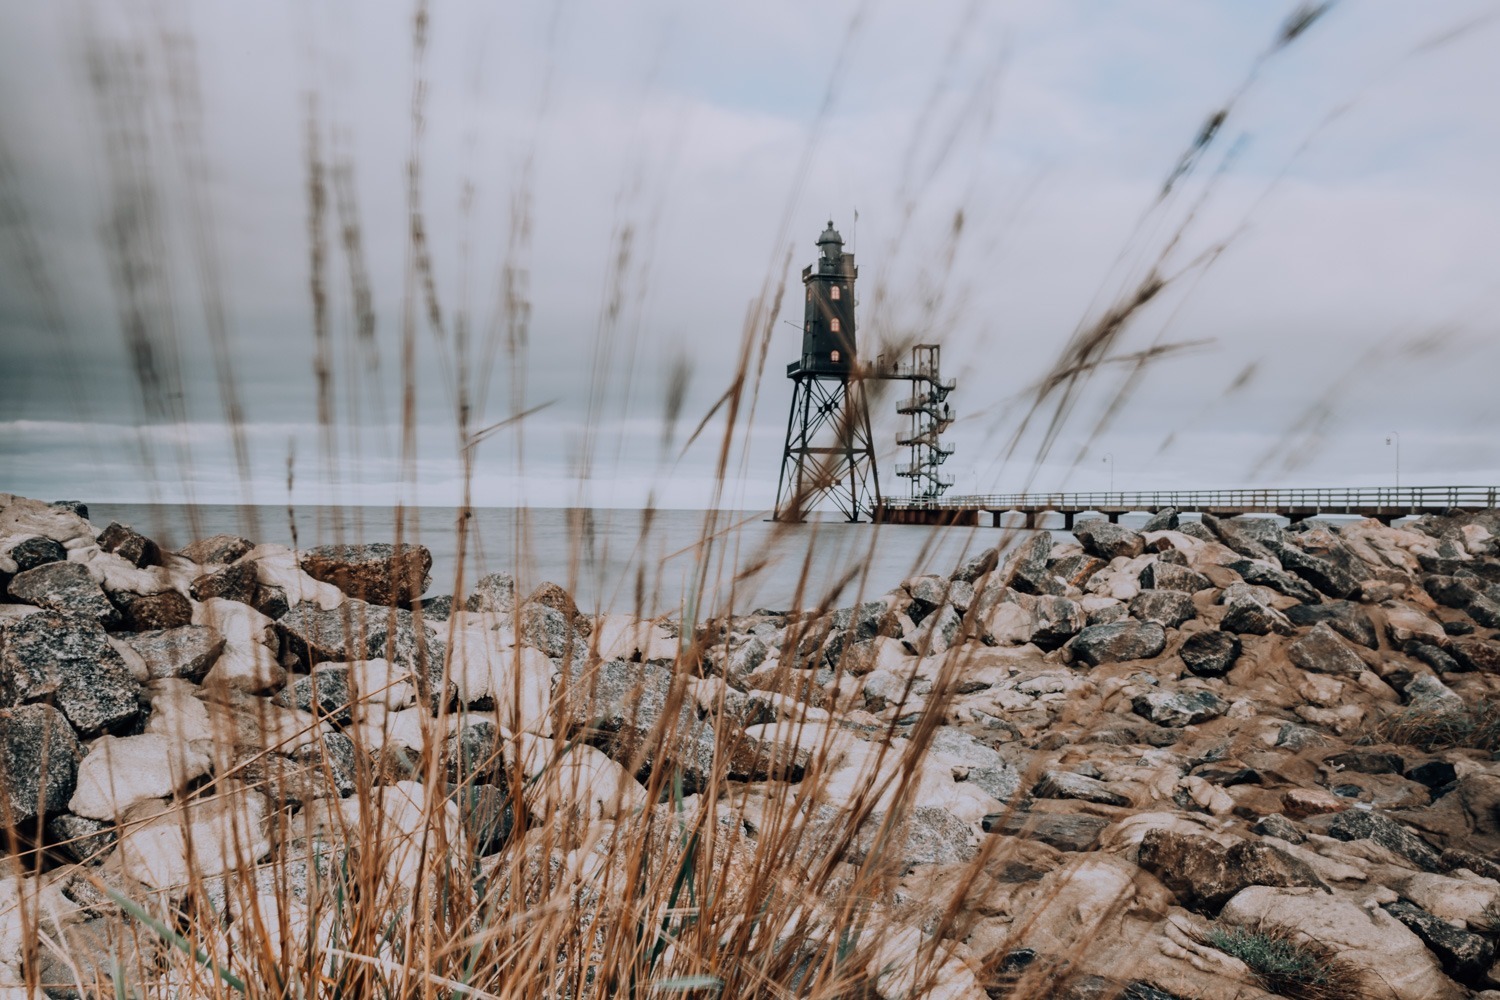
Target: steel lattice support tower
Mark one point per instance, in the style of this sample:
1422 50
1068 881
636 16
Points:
829 452
930 415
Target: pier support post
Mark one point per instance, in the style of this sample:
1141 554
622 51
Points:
1068 520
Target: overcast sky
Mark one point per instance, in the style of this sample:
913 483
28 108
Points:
646 172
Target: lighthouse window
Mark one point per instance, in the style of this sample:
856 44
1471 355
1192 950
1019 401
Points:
835 293
834 324
834 356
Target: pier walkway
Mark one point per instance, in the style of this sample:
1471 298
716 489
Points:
1384 503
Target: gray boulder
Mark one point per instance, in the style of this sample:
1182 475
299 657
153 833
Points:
495 593
1179 708
1344 617
1026 568
1210 654
236 582
324 692
1068 785
625 706
64 586
37 551
67 660
978 565
1328 575
1161 575
1063 831
187 651
148 612
39 756
552 632
1324 651
1057 620
218 550
1249 615
1464 955
1168 608
1261 575
1107 541
80 838
984 767
1162 520
937 634
1240 536
1204 874
1116 642
1360 824
359 631
1075 570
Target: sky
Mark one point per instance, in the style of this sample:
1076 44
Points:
210 289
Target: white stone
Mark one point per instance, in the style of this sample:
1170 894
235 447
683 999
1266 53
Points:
22 518
134 662
236 622
413 833
787 743
119 575
26 905
1321 689
517 678
624 637
177 713
378 682
246 666
225 832
1009 624
907 964
1474 902
278 566
379 727
119 772
578 777
1405 623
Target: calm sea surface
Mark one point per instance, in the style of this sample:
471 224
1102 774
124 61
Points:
611 560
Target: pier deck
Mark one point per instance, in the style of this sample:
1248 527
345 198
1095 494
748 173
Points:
1384 503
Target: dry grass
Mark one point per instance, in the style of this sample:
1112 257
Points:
1291 966
1470 726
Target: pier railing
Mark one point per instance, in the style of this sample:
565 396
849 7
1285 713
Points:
1332 500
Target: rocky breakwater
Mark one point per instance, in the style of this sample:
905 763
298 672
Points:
1207 759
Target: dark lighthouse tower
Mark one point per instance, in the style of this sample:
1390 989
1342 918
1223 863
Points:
829 451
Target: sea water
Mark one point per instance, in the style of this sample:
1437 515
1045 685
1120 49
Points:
657 562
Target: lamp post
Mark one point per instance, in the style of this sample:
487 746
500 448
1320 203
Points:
1396 436
1110 458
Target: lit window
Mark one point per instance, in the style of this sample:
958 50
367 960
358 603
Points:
807 327
834 324
835 293
834 356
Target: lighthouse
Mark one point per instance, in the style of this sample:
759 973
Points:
829 453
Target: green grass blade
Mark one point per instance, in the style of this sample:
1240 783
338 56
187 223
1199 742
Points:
175 939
